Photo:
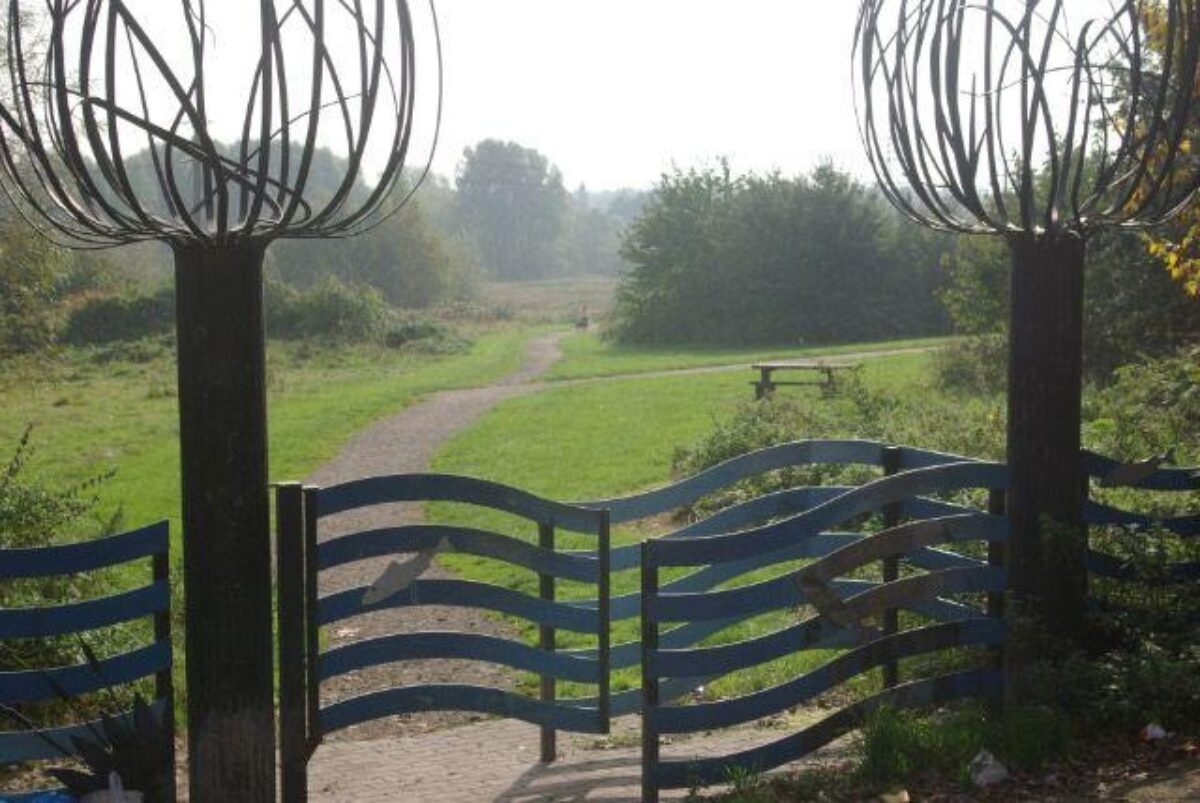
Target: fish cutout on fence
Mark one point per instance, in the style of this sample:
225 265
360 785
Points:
399 577
1137 472
829 604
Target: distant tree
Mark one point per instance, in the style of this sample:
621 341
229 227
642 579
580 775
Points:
766 259
512 203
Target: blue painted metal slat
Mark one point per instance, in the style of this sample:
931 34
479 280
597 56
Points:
447 488
739 710
86 556
1114 569
576 617
1165 479
60 620
461 646
34 685
21 746
726 658
1096 513
583 567
651 503
678 774
867 498
454 697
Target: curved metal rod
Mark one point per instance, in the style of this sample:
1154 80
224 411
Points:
1002 117
98 106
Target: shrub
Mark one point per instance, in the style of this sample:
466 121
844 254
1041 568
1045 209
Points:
977 365
114 318
332 310
32 516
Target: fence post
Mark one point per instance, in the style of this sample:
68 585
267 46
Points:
892 456
289 549
164 683
313 634
605 611
546 640
649 676
997 551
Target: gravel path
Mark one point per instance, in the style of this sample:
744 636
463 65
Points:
406 443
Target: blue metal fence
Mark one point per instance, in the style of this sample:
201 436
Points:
40 684
843 605
306 717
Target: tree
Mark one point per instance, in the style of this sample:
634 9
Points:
31 269
765 259
1177 246
512 203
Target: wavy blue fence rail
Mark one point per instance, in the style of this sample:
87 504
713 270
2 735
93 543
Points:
306 718
1098 514
868 454
844 609
39 684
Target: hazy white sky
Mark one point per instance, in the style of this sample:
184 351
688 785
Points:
613 91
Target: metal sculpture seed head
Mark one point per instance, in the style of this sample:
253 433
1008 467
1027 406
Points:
1030 116
214 122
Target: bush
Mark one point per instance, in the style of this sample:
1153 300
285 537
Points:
29 296
33 516
976 365
331 310
114 318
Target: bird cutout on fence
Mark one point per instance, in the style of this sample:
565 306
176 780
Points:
830 605
399 577
1137 472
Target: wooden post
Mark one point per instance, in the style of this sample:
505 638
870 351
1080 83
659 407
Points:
546 642
892 455
764 386
313 651
650 750
293 670
226 522
164 682
605 611
997 550
1047 567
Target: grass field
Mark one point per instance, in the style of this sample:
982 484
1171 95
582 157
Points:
90 415
588 355
613 438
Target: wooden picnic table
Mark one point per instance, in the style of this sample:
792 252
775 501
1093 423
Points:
766 383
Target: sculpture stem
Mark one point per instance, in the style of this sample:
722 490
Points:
226 522
1046 555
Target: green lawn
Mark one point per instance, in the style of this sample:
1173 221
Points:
91 416
612 438
587 355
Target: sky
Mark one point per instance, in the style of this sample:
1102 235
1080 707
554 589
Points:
615 92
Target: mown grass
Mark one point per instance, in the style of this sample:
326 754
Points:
91 414
607 439
588 355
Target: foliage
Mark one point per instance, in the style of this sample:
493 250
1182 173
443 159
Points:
136 746
976 365
731 260
331 310
897 745
512 202
1149 408
34 515
1131 310
1177 246
110 318
29 291
406 260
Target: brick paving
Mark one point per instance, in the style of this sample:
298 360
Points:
498 761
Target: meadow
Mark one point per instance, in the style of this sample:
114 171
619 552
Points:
96 410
